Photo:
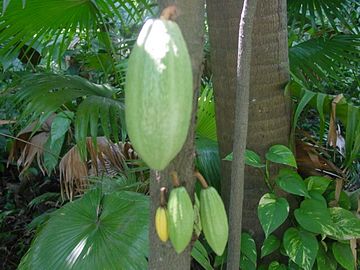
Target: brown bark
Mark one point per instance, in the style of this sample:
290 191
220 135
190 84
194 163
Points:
269 117
163 256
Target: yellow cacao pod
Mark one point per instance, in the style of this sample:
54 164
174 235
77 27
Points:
161 224
213 219
158 93
181 218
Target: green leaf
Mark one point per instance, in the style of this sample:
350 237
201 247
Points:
315 217
308 95
346 222
248 247
301 247
272 212
325 260
95 232
252 159
344 200
343 255
51 155
60 125
291 182
246 263
271 244
282 155
276 266
318 183
199 253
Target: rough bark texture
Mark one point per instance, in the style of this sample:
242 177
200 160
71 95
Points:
163 256
269 117
223 19
240 133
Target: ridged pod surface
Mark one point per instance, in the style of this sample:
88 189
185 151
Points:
181 218
158 93
213 219
161 224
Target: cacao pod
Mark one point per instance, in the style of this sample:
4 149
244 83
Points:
213 219
181 218
158 93
161 224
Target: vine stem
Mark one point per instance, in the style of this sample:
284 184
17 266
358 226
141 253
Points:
162 196
169 13
201 179
175 179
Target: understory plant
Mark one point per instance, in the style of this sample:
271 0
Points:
323 226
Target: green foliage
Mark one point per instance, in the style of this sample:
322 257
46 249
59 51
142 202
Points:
316 225
281 154
97 231
272 212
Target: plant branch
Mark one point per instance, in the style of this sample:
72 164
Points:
240 133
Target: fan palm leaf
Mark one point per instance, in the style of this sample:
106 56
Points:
53 24
328 12
316 59
98 231
44 94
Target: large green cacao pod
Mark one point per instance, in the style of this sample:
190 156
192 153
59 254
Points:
213 219
181 218
158 93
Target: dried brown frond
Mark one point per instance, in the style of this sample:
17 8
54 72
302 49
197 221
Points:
26 147
106 158
73 173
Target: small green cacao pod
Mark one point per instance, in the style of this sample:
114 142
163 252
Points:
213 219
181 218
158 93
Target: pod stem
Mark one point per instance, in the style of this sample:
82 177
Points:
201 179
175 179
169 13
162 196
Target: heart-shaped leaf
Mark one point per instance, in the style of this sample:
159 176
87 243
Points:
315 217
272 212
292 182
325 260
282 155
271 244
301 247
343 255
317 183
346 223
248 247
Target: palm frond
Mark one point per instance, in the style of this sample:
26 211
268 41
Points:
44 94
51 26
313 60
98 231
206 124
329 13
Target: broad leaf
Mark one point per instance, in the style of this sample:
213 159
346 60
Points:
276 266
301 247
292 182
317 183
199 253
251 159
60 125
315 217
246 263
272 212
282 155
95 232
271 244
248 247
343 255
346 223
325 260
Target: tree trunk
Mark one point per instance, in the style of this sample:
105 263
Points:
162 255
240 133
269 116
